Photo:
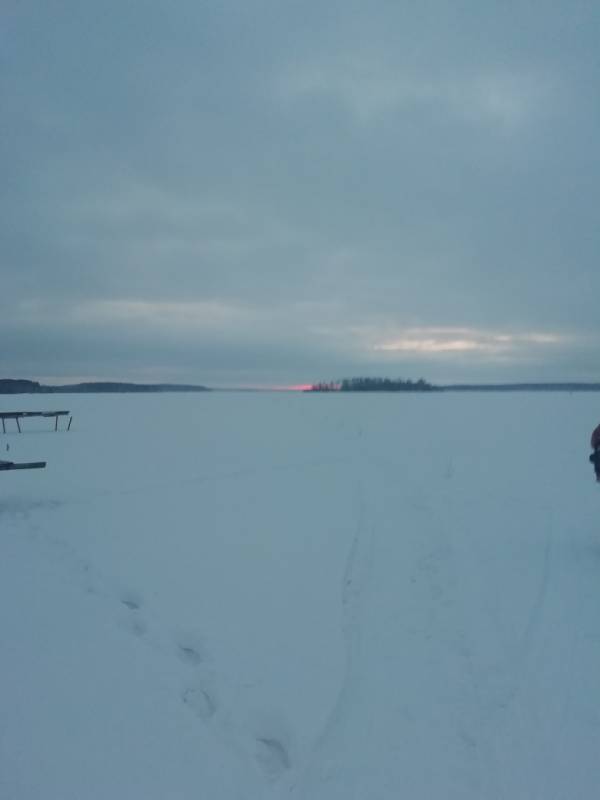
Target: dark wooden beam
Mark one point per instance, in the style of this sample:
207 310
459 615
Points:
4 465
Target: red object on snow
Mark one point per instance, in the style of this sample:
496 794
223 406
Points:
595 440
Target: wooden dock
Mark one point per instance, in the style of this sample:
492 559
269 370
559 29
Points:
18 415
4 465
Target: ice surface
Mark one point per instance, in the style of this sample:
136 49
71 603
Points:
312 596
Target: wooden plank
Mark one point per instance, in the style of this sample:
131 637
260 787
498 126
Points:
5 465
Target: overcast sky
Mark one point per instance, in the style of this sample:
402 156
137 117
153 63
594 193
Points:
272 192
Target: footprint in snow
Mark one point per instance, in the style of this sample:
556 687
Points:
201 701
271 743
132 620
132 601
272 755
191 650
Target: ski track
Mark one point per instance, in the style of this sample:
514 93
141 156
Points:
510 701
354 580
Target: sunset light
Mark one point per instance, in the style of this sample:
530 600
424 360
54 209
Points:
435 341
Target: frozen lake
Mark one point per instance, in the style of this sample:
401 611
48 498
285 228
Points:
230 595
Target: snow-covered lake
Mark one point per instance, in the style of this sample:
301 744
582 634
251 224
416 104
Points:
330 597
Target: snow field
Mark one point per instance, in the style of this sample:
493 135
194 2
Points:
270 595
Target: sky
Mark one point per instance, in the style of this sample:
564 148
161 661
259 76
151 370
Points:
272 192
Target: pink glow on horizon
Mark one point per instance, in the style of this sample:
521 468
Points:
278 387
298 387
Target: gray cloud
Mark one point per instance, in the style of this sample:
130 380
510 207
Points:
271 192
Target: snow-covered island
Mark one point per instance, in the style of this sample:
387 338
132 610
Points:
239 596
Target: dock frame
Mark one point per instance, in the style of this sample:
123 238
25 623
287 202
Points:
18 415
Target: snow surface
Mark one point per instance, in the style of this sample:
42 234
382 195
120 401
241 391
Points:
313 596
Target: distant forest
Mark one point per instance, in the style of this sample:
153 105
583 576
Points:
12 386
400 385
375 385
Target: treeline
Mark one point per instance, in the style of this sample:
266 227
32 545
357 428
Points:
12 386
375 385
